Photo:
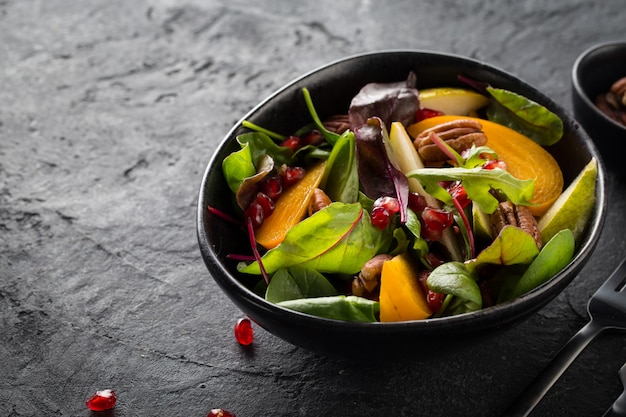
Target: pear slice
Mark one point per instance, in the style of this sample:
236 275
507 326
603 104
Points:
452 101
573 207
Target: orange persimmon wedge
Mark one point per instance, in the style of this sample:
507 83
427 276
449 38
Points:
524 158
401 297
290 208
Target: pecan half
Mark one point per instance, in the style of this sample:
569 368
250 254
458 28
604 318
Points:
338 123
318 201
618 89
509 214
459 134
367 282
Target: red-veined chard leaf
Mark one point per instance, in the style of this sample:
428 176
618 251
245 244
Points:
337 239
477 183
391 102
379 177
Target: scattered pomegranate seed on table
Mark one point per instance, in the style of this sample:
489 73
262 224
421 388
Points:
102 400
244 333
218 412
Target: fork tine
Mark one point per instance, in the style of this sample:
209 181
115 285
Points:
617 281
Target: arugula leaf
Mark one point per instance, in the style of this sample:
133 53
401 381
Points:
477 183
525 116
297 282
339 307
337 239
454 278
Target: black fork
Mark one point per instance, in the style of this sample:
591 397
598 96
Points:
607 310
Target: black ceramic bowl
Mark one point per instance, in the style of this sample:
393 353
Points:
593 73
332 88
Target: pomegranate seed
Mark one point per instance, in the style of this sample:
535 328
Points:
417 202
218 412
380 217
102 400
292 175
266 203
292 142
433 260
390 203
244 333
314 137
434 300
457 191
494 163
272 187
425 113
430 233
437 218
255 213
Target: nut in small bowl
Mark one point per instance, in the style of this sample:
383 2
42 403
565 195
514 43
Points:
598 94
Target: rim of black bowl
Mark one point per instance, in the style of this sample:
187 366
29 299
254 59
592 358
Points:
580 60
507 313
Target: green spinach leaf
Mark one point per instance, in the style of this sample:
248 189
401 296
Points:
296 282
454 278
525 116
339 307
554 256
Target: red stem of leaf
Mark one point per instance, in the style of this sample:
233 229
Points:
256 253
221 214
441 144
470 233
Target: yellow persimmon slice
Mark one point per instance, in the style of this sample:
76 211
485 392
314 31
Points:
401 297
290 208
524 158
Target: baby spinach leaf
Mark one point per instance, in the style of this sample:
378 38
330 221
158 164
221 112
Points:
248 188
339 307
337 239
341 179
331 137
477 183
238 166
454 278
296 282
554 256
261 145
524 116
512 246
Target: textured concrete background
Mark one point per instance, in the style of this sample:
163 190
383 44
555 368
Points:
109 113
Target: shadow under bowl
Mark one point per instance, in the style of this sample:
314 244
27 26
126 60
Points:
593 73
332 88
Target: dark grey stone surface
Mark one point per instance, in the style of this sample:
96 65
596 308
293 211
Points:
109 113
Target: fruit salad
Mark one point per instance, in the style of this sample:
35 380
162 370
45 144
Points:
414 204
